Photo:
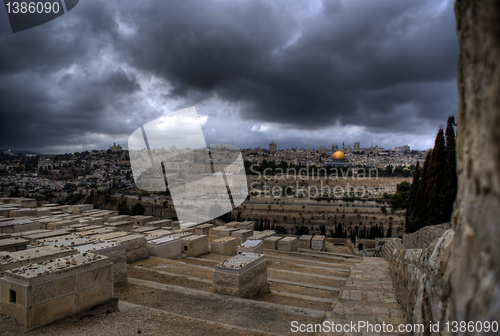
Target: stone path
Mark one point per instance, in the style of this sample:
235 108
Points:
368 296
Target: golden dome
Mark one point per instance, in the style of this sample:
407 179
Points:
338 155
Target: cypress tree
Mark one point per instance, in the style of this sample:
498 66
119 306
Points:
433 189
450 186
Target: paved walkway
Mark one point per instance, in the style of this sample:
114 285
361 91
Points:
368 296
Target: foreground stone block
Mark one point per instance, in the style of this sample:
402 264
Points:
13 244
271 243
195 245
10 260
288 244
164 247
244 275
305 241
251 246
19 225
160 223
41 293
318 243
225 246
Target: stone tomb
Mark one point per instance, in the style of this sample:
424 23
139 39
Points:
195 245
57 225
261 235
160 223
271 243
213 233
247 225
19 225
244 275
144 229
243 235
225 232
318 243
305 241
141 220
203 229
164 247
135 246
120 218
9 260
121 226
288 244
116 253
252 246
41 293
13 244
225 246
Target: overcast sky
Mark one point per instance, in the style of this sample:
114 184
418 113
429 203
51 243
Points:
301 73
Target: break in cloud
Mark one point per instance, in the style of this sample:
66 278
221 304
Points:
301 73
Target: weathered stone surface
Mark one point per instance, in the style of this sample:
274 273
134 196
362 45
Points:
288 244
243 275
195 245
476 257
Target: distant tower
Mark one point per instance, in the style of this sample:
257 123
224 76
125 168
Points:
356 146
343 147
272 147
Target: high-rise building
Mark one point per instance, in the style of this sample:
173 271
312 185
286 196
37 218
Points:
356 146
272 147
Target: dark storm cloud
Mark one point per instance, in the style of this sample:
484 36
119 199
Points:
387 66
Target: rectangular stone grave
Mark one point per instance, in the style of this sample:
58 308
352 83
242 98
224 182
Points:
157 234
225 246
34 237
213 233
135 246
101 230
160 223
13 244
271 243
61 224
164 247
261 235
195 245
80 208
144 229
251 246
203 229
67 240
9 260
19 225
116 252
318 243
246 225
305 241
120 218
243 235
225 232
232 224
288 244
141 220
37 294
89 228
27 212
244 275
121 226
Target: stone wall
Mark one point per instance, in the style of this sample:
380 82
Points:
422 278
425 236
457 277
476 257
